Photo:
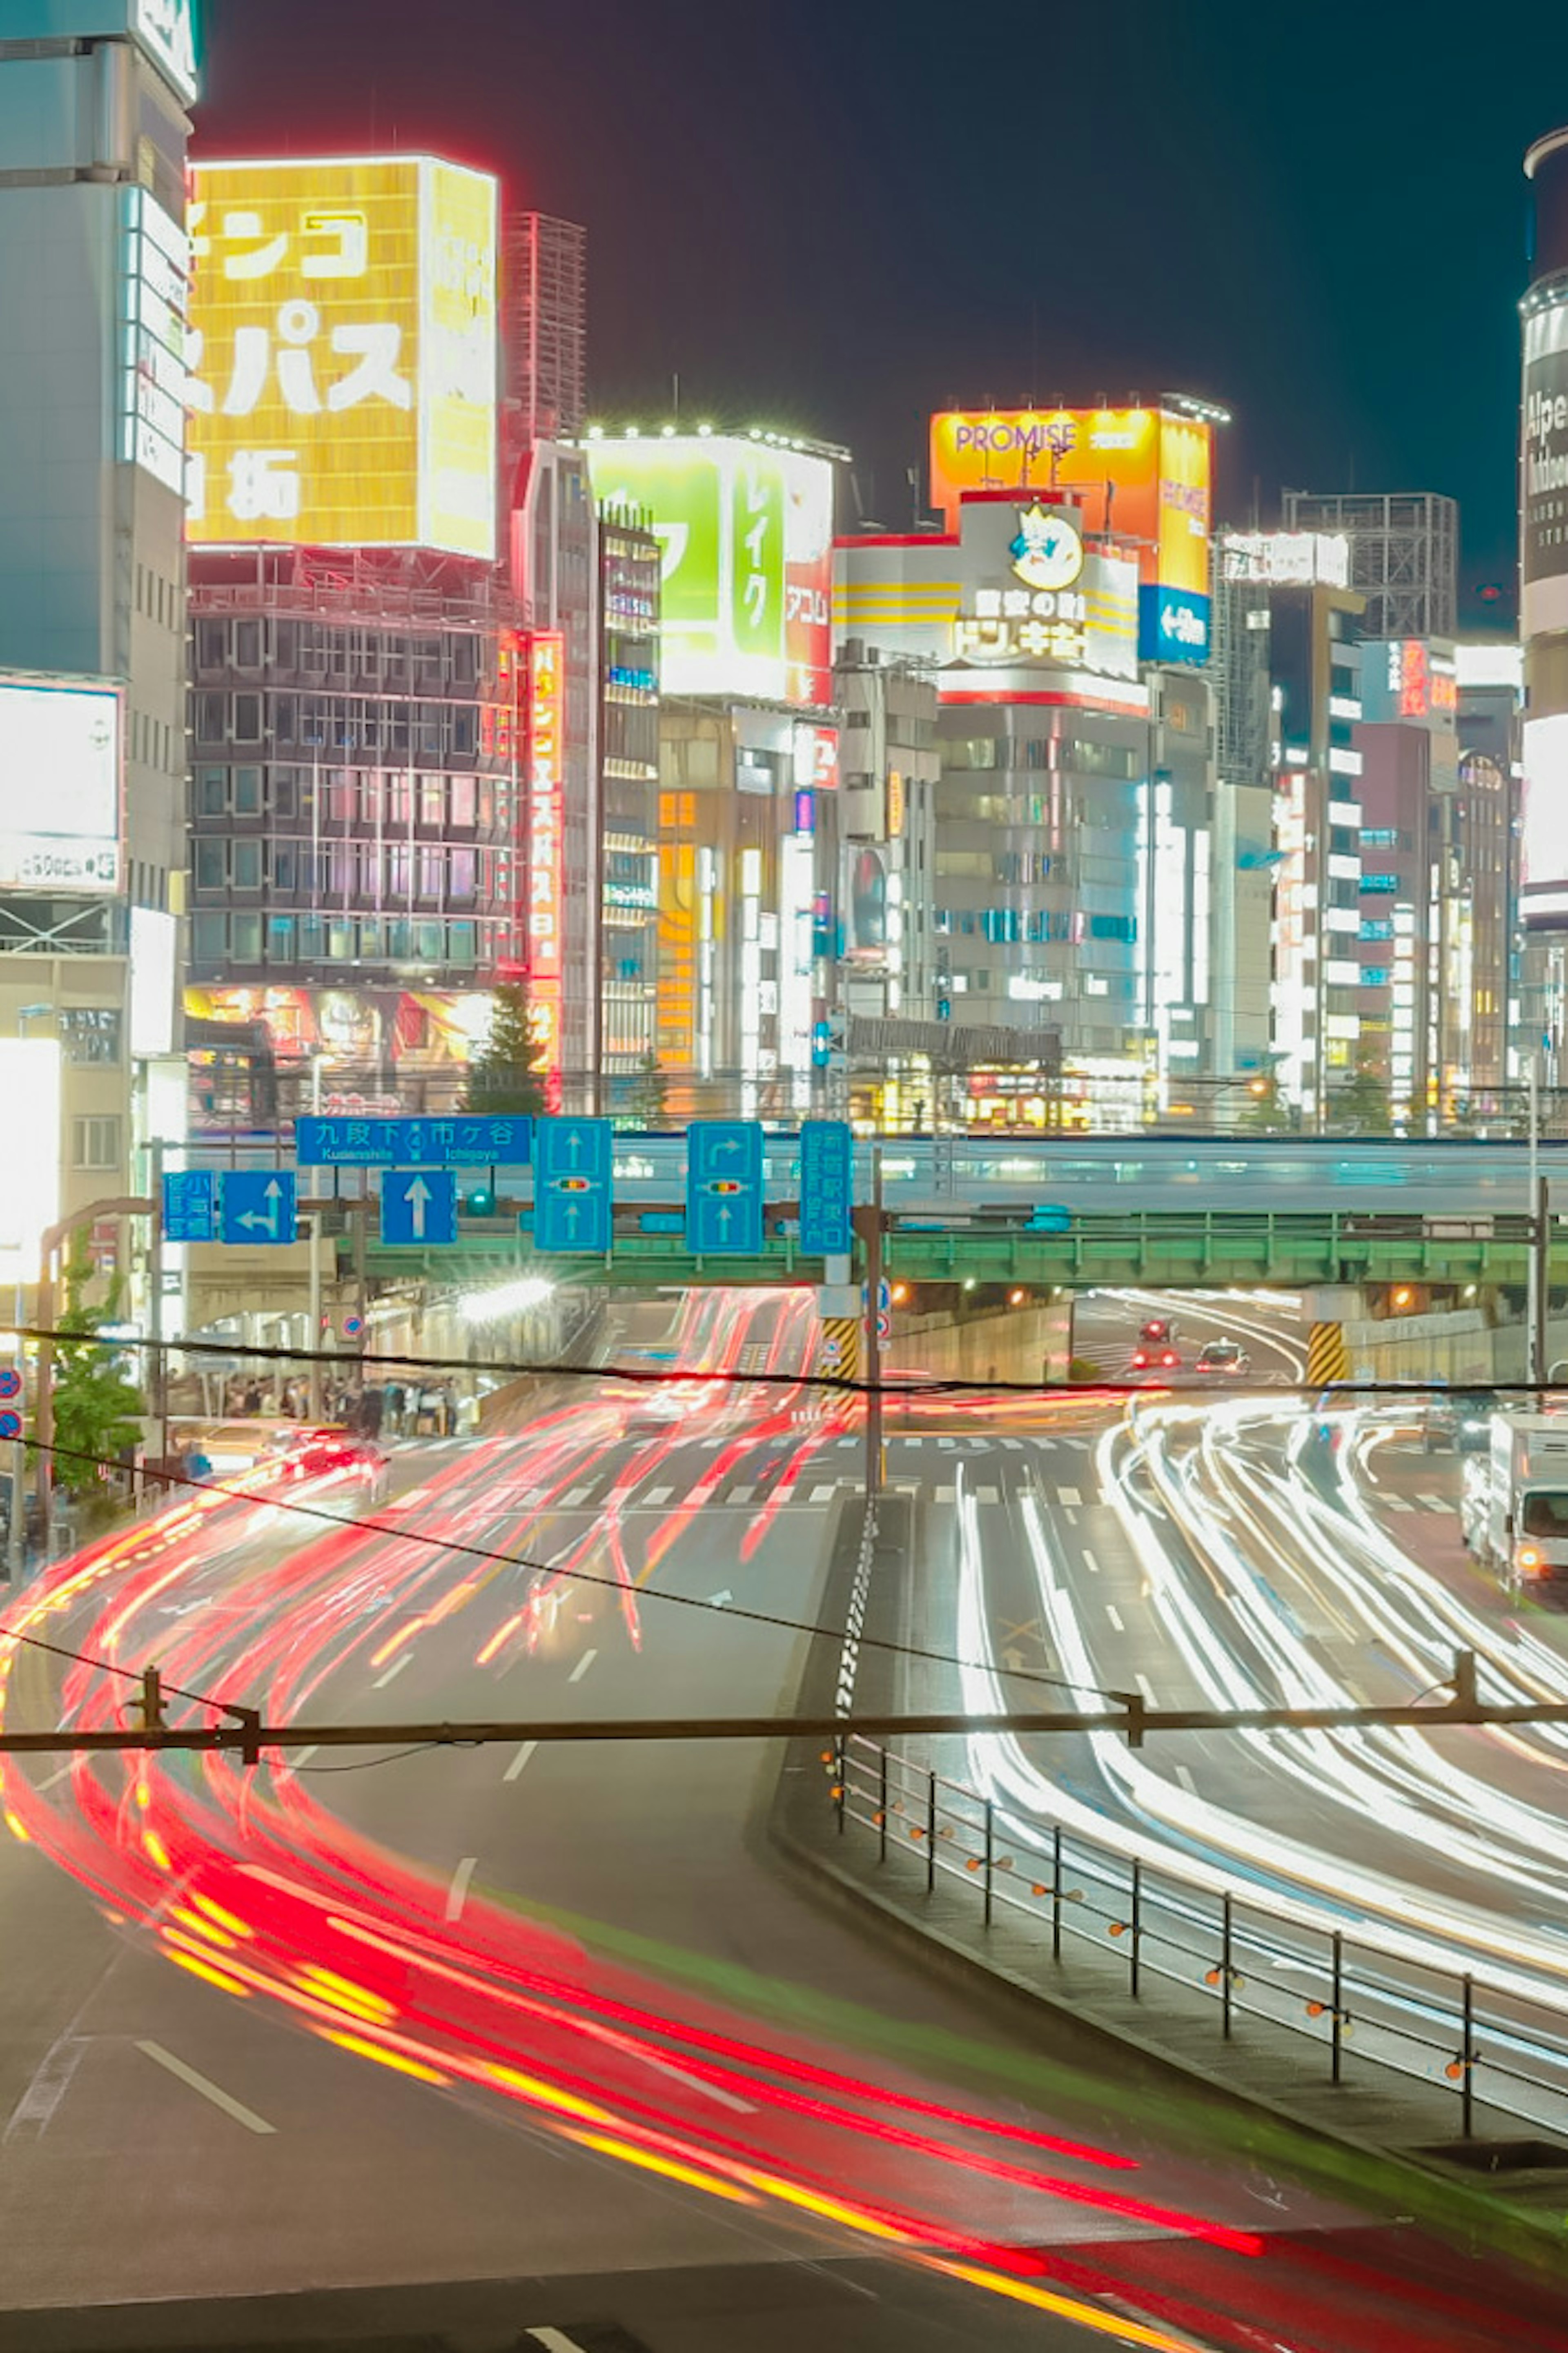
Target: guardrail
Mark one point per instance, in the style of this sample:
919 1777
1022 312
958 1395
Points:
1218 1954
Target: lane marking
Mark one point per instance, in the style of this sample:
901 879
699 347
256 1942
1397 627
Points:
55 1777
1113 1614
583 1664
947 1496
395 1668
574 1497
740 1494
457 1893
49 2085
518 1762
988 1495
304 1758
1185 1775
821 1495
659 1494
1073 1495
1090 1563
555 2340
208 2090
697 2083
1146 1688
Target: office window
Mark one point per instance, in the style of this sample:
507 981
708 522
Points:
211 861
95 1142
245 931
248 719
432 800
91 1034
245 865
247 792
209 938
462 801
280 935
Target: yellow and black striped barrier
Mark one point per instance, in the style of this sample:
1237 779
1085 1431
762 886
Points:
1328 1358
838 1348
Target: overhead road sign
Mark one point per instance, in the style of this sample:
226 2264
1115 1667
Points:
499 1143
574 1207
418 1209
260 1207
723 1186
827 1186
190 1205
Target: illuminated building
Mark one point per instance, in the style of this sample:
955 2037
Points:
747 754
1544 614
628 605
1503 1027
1315 704
358 706
94 98
1242 832
1404 555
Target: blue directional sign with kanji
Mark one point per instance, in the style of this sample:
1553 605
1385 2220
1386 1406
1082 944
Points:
260 1207
418 1208
574 1205
723 1186
505 1141
827 1186
190 1205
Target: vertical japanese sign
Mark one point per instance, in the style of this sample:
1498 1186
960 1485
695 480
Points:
342 355
546 846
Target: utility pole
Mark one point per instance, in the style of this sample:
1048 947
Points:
155 1305
314 1358
43 1409
1540 1282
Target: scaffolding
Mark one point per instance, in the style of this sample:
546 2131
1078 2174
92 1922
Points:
1404 555
543 317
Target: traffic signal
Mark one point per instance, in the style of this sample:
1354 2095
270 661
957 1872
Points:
479 1201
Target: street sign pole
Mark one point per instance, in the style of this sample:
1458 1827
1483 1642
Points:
869 1221
315 1339
155 1306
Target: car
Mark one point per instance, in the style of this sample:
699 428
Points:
1148 1360
1221 1357
338 1457
1461 1418
1158 1330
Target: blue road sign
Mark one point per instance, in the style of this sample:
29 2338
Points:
418 1208
260 1207
723 1186
574 1207
827 1186
10 1425
10 1383
190 1205
505 1141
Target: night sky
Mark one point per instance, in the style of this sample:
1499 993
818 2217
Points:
836 215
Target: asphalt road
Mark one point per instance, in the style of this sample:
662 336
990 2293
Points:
585 2040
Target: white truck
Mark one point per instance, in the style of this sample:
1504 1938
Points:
1514 1506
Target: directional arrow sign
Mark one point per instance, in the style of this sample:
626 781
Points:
723 1186
418 1206
260 1207
574 1207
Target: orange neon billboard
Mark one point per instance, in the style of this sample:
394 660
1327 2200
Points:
342 355
1140 474
546 853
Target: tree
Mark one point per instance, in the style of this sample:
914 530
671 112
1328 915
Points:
506 1077
1363 1103
646 1100
1267 1110
97 1408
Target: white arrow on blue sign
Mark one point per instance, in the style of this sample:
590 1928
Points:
723 1186
574 1204
260 1207
418 1206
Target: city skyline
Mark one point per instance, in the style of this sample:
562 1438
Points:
886 228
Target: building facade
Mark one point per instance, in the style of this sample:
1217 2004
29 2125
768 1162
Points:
1404 555
630 574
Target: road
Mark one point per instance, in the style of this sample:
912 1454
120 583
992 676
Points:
553 2017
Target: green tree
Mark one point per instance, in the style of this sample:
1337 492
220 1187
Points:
1363 1103
1267 1111
506 1077
646 1100
97 1408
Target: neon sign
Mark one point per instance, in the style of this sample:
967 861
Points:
547 847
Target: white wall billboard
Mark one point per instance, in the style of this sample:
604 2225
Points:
60 787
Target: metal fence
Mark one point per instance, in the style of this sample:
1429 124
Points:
1335 1989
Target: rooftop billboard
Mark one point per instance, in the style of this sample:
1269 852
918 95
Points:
343 356
1138 474
746 534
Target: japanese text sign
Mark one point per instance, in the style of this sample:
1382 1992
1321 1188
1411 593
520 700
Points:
342 355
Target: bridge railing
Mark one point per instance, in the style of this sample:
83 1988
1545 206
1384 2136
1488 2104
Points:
1223 1962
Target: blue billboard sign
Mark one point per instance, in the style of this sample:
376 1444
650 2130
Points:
827 1186
260 1207
1173 625
417 1208
574 1207
505 1141
723 1186
190 1205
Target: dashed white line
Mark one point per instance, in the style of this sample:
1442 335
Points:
1146 1688
457 1893
554 2340
1113 1614
988 1495
1090 1563
1073 1495
518 1762
57 1776
304 1758
1184 1775
208 2090
395 1668
583 1664
658 1495
698 2083
740 1494
574 1497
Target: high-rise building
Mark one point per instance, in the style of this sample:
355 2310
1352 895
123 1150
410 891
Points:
630 570
1315 704
94 270
1543 617
355 818
1491 681
1242 833
1404 555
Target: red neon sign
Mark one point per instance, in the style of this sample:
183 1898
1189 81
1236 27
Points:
546 850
